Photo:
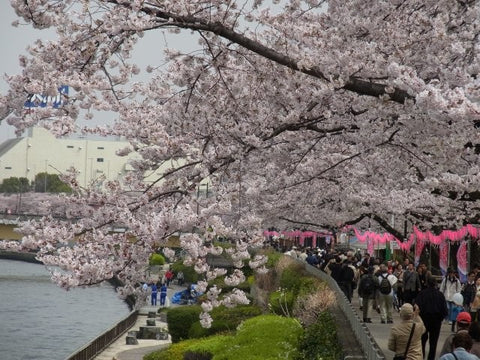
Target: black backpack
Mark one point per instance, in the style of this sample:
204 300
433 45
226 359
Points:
385 286
368 285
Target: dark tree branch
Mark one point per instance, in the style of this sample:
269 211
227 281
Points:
354 84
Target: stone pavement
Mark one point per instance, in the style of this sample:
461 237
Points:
119 350
381 332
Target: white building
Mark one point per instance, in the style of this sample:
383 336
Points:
40 151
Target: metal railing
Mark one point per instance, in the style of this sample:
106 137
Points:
97 345
369 346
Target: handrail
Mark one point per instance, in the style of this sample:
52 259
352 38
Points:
93 348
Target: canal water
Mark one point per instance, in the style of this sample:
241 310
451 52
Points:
40 321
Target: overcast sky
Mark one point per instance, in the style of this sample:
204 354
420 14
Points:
14 41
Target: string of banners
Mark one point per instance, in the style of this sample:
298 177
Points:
420 239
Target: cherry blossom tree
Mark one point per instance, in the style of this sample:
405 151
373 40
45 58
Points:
298 113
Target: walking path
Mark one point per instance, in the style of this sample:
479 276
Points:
381 332
119 350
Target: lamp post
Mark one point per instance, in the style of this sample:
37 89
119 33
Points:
45 177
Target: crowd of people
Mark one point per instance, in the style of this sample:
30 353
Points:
158 289
424 301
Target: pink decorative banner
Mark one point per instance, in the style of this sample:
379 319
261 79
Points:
418 236
462 261
444 257
418 250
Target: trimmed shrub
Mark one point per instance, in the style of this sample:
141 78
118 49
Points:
180 320
260 338
320 340
173 352
156 259
224 320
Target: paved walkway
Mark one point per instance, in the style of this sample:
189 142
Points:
381 332
119 350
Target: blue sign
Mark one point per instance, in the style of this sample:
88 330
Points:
43 101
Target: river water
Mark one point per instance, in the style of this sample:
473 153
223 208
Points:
40 321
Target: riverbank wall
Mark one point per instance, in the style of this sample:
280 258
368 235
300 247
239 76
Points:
19 256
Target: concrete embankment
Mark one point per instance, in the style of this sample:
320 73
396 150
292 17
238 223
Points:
20 256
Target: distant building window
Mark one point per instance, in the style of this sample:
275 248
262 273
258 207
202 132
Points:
99 159
100 147
69 146
8 167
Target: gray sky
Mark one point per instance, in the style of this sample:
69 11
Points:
15 40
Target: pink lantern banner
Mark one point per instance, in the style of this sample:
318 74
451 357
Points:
418 250
443 257
419 236
462 261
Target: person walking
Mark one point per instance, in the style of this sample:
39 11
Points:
398 272
347 278
386 282
169 276
469 291
367 287
180 278
163 294
153 301
450 286
433 310
411 327
411 284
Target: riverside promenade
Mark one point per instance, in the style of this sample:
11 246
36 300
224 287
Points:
119 350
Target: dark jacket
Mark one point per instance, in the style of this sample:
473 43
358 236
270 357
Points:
431 301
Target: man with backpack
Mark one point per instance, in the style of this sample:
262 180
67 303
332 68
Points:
386 282
347 278
366 290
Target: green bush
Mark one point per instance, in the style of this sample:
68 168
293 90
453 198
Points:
260 338
156 259
281 302
173 352
180 320
225 320
320 340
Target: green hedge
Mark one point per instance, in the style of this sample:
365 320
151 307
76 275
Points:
173 352
180 319
225 320
262 337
